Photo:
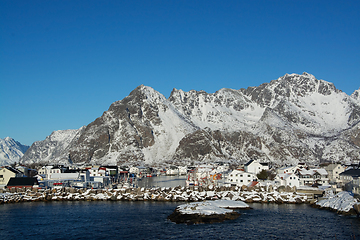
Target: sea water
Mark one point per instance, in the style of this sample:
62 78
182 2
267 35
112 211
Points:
148 220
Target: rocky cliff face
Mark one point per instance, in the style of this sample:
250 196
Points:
291 119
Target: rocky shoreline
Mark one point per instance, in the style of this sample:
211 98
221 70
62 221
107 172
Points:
342 203
178 194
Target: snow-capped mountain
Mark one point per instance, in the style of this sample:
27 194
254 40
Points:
291 119
55 148
11 151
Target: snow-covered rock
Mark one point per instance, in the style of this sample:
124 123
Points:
342 202
207 211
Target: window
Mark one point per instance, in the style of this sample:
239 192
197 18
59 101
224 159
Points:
241 175
1 176
248 175
241 180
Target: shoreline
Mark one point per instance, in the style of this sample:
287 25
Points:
167 194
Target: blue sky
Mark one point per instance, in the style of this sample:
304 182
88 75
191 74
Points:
62 63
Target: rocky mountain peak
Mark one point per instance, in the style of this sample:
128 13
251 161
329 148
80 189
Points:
288 87
356 95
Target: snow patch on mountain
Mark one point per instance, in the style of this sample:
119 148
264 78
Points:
54 149
11 151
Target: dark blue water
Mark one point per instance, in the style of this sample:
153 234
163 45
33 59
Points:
147 220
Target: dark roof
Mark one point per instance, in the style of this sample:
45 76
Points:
14 170
249 162
351 172
22 181
105 166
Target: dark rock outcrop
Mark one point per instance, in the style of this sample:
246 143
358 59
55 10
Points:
190 219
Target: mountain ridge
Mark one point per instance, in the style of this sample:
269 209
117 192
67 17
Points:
291 119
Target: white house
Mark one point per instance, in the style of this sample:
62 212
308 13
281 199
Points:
182 170
253 166
139 170
222 168
47 171
287 179
313 176
172 171
239 177
97 171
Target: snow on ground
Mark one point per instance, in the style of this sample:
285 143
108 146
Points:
229 204
211 207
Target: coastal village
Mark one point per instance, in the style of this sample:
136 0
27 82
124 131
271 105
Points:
253 181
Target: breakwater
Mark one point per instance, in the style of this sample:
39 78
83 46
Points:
174 194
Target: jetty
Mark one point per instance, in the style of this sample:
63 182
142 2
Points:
174 194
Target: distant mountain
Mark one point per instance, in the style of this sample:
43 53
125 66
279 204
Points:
53 148
296 118
11 151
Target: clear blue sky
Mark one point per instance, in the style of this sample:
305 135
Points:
62 63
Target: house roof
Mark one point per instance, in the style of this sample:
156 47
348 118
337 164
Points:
332 166
14 170
313 171
351 172
252 184
236 171
22 181
249 162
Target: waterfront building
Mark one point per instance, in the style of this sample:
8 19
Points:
22 182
